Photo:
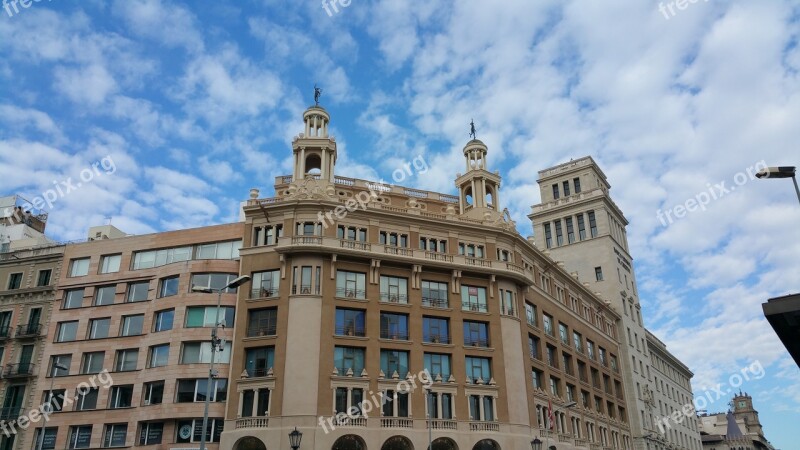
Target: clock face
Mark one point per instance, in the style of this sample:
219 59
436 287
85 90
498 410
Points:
185 432
742 404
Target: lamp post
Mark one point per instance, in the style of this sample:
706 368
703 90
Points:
536 444
537 441
54 370
215 342
294 439
430 416
780 172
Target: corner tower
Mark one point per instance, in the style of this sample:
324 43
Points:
478 189
314 150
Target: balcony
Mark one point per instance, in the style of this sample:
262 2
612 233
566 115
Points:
252 422
19 370
441 424
345 292
435 302
394 298
476 342
10 413
263 293
484 426
396 422
350 330
437 338
303 289
581 443
30 330
348 422
264 330
474 307
394 334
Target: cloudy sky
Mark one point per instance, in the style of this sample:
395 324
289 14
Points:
171 111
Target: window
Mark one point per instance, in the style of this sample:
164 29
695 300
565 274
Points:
394 326
570 393
110 263
195 390
394 361
86 399
79 267
54 398
308 229
266 284
61 360
44 280
570 230
530 314
590 349
554 387
548 324
350 322
577 183
73 299
555 192
566 359
350 284
476 334
548 236
614 363
92 362
104 295
157 258
132 325
345 358
445 400
434 294
473 298
67 331
153 393
258 360
219 250
507 298
126 360
563 333
213 281
262 322
592 224
598 273
581 227
207 316
394 289
537 378
151 433
481 408
577 339
478 368
200 352
438 364
169 286
137 292
115 435
98 328
435 330
14 280
302 283
559 234
48 441
602 353
159 356
79 436
120 396
162 321
565 185
213 431
552 356
533 346
351 233
393 239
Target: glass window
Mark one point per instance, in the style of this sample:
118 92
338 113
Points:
219 250
537 378
581 227
157 258
559 234
110 263
194 390
44 279
207 316
598 273
132 325
555 191
86 399
61 360
394 326
120 396
435 330
151 433
394 361
476 334
570 230
530 314
578 341
115 435
213 281
169 286
104 295
67 331
126 360
200 352
153 392
137 292
262 322
434 294
266 284
478 368
98 328
577 183
350 322
438 364
533 346
49 441
15 280
79 267
548 324
159 355
345 358
548 236
565 185
73 298
79 436
592 224
92 362
258 360
563 333
194 428
394 289
350 284
473 298
162 321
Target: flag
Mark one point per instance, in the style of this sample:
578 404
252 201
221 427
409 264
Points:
550 416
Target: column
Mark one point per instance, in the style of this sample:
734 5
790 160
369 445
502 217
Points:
481 415
349 399
254 409
439 405
474 196
302 164
494 407
323 166
316 129
241 403
269 403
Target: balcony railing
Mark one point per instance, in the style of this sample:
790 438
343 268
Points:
394 298
263 293
259 372
351 293
475 307
398 335
29 330
356 245
581 443
437 339
472 342
484 426
252 422
10 413
19 370
435 302
350 330
442 424
266 330
348 421
396 422
303 289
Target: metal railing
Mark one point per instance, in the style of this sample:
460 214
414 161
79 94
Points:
19 370
351 293
475 307
398 335
268 330
435 302
394 298
263 293
303 289
437 338
29 330
473 342
350 330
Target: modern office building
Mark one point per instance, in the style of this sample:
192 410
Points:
126 356
577 223
783 313
739 428
360 289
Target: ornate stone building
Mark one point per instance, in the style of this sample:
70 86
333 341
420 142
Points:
737 429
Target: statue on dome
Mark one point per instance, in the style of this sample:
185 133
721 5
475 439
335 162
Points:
472 129
317 93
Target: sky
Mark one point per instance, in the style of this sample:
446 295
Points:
158 115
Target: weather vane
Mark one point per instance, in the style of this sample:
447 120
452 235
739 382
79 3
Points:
472 129
317 93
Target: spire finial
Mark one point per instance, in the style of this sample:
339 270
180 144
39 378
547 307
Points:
472 129
317 93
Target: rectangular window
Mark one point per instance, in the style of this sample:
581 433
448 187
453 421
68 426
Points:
158 258
169 286
548 324
67 331
98 328
266 284
104 295
132 325
473 298
195 390
592 224
351 284
590 349
565 185
48 441
577 339
200 352
394 326
153 393
14 281
476 334
79 267
120 396
92 362
435 330
570 230
258 360
350 322
394 289
559 234
262 322
110 263
213 281
563 333
548 236
115 435
438 364
159 356
555 192
126 360
213 431
478 368
61 360
44 279
394 361
346 358
551 356
80 436
598 273
533 346
207 316
219 250
73 299
162 321
530 314
577 183
537 378
151 433
86 399
554 387
581 227
434 294
137 292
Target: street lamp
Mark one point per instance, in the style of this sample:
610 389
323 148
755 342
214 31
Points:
536 444
294 439
215 342
53 371
780 172
430 416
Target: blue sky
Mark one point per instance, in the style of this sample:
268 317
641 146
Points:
197 102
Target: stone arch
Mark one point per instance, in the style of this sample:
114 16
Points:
349 442
313 164
397 443
249 443
444 443
486 444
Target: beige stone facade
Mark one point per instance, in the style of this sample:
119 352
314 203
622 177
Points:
358 288
134 339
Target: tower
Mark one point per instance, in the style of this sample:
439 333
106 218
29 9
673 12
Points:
478 189
314 150
743 409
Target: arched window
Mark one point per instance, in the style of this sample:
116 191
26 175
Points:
486 444
444 443
349 442
397 443
249 443
313 165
